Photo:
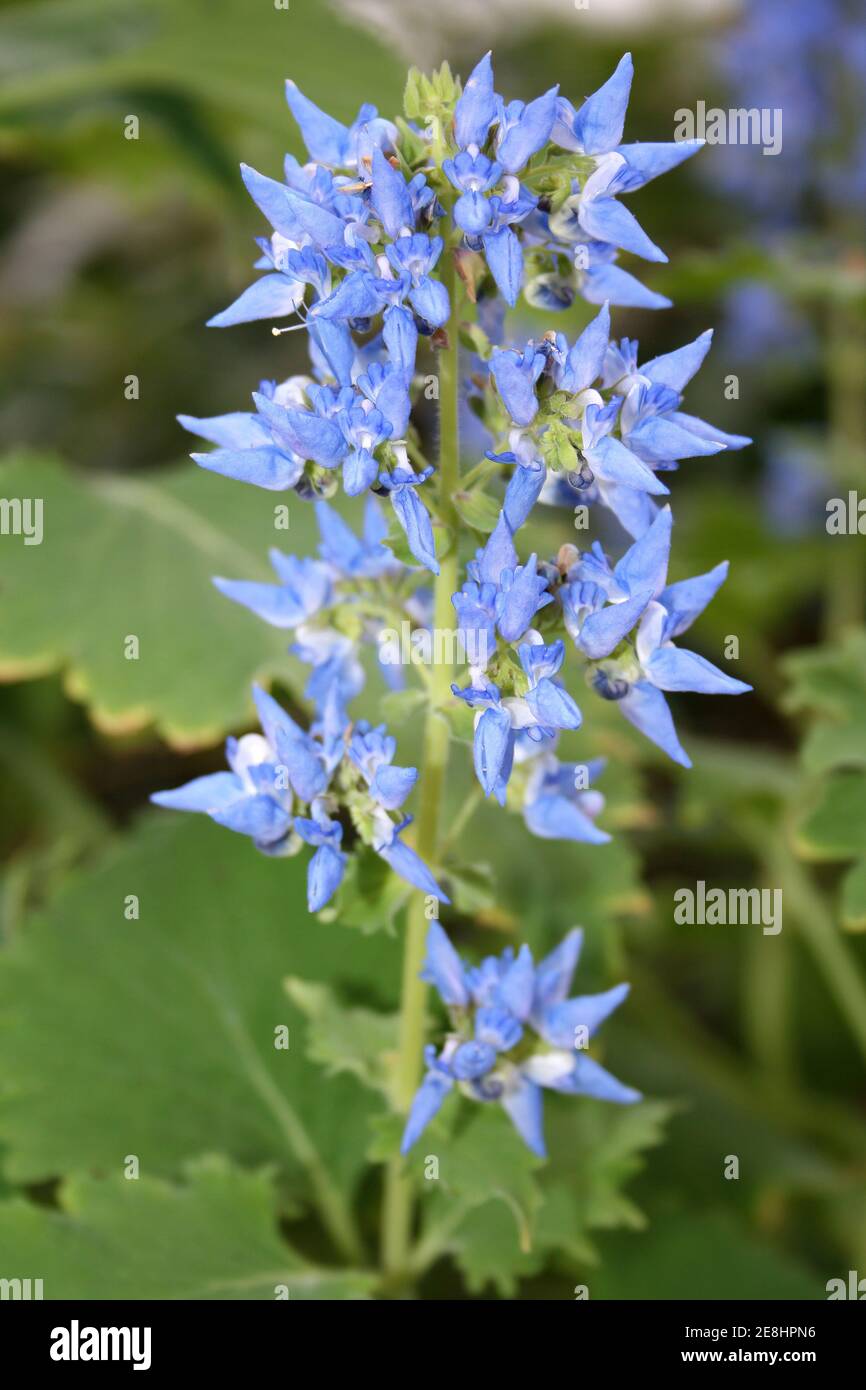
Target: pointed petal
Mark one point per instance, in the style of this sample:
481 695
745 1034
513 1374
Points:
561 1022
646 708
676 668
444 968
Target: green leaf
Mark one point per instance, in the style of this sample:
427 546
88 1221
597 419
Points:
213 1238
836 828
343 1039
701 1255
854 897
831 746
829 680
157 1037
133 547
477 509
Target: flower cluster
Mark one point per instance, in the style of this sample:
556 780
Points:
353 253
513 1032
378 244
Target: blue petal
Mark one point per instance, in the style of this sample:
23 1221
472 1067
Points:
554 974
209 793
646 708
325 138
267 468
607 220
274 200
324 876
415 521
274 603
401 338
610 282
522 493
493 738
444 968
560 818
337 347
476 109
430 301
645 564
584 361
360 471
531 131
687 599
498 553
356 297
603 631
676 668
560 1022
428 1101
517 985
473 213
307 434
552 706
272 297
614 462
706 431
649 159
599 123
237 431
662 440
258 816
505 259
273 717
405 862
390 196
524 1107
590 1079
676 369
391 785
515 383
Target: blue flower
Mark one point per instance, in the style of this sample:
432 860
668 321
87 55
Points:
523 129
372 751
556 808
402 487
509 1003
329 141
472 176
477 107
636 681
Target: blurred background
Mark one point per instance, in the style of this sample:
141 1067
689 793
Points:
119 237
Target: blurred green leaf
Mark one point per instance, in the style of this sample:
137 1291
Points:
836 828
854 897
342 1039
159 1036
213 1238
141 554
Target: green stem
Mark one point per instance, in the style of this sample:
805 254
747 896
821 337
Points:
397 1211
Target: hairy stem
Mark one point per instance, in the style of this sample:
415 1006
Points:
397 1213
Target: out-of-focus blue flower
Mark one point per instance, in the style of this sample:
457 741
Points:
513 1032
555 807
402 487
372 751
